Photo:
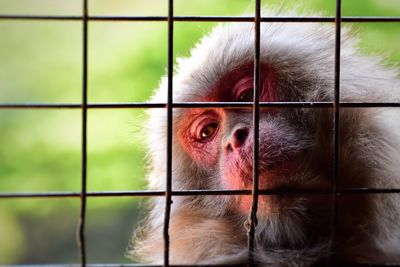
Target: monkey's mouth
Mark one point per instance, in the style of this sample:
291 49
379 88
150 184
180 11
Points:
273 173
276 175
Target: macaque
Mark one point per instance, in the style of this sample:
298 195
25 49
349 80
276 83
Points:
213 150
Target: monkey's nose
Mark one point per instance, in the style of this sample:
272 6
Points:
237 139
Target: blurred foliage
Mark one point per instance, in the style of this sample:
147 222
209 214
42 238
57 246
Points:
41 61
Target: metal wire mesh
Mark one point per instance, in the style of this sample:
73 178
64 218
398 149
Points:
84 106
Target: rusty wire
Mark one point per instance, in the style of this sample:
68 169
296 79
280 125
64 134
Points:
170 105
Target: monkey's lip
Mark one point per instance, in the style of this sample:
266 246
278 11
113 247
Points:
273 175
276 177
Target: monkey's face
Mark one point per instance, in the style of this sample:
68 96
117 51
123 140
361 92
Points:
220 141
213 149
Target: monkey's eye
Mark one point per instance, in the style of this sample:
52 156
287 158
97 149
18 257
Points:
204 127
208 131
246 96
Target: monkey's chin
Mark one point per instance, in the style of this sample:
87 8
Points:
267 204
244 204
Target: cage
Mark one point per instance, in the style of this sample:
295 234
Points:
80 103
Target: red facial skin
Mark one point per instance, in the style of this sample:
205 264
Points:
204 153
235 166
237 173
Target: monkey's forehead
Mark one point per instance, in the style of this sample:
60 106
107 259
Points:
292 49
286 46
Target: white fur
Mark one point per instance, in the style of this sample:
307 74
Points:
299 51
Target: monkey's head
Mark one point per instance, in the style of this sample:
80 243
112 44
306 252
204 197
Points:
213 147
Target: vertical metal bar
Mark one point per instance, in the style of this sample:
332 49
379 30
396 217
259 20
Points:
336 124
256 116
81 223
168 200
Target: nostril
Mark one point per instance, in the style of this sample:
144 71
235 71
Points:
237 139
240 136
229 147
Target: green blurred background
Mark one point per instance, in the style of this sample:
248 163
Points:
41 61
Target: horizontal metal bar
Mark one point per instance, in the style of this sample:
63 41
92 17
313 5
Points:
370 19
201 18
199 105
77 194
369 104
78 106
128 265
347 191
120 265
181 265
39 17
251 104
191 265
38 106
298 191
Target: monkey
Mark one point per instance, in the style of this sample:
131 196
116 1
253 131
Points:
212 149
